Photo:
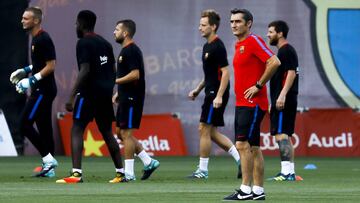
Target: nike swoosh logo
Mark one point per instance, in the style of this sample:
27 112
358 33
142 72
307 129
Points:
261 196
243 197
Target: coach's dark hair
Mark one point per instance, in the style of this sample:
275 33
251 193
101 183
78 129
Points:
129 25
213 16
280 26
87 19
37 12
246 14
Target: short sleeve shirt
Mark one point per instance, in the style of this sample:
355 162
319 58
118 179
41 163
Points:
249 64
214 58
289 61
43 50
98 53
131 58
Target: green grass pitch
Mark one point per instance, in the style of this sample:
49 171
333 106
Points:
335 180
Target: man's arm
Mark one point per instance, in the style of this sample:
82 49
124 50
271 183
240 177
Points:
132 76
48 69
271 66
223 85
26 83
195 92
80 80
290 77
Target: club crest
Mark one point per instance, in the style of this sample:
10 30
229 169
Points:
242 49
335 34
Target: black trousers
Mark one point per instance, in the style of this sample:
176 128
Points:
38 110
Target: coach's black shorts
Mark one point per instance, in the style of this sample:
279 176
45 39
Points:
101 108
129 114
209 114
247 124
283 122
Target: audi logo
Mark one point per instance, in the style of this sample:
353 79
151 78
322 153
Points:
269 142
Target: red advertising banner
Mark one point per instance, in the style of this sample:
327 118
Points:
160 135
320 132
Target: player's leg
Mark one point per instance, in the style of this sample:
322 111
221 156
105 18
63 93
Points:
204 151
289 129
114 150
77 145
221 140
285 156
82 115
44 125
150 164
225 143
129 150
244 149
243 120
258 170
258 174
104 116
292 176
134 121
27 120
204 131
247 135
282 126
124 130
30 113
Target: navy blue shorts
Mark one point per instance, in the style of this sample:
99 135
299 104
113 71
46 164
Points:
283 122
129 114
209 114
247 124
86 109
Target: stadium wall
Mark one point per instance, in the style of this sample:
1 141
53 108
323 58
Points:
167 32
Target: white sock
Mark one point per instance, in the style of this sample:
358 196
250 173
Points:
257 189
245 188
234 153
76 170
48 158
292 168
129 167
145 158
119 170
285 167
203 164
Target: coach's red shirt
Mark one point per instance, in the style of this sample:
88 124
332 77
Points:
249 63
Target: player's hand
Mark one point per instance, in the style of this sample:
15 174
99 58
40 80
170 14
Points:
280 102
251 92
115 98
25 84
193 94
17 75
69 105
217 102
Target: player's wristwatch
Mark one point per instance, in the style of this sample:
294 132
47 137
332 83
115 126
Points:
258 85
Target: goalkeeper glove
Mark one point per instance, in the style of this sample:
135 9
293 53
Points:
17 75
26 83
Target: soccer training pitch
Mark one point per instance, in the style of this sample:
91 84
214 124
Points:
335 180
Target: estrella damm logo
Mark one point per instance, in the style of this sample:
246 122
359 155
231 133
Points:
335 40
